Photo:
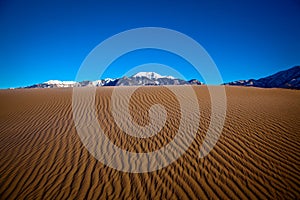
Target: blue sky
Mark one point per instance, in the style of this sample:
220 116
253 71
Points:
42 40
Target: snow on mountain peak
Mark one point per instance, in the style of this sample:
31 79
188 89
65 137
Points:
151 75
57 82
109 80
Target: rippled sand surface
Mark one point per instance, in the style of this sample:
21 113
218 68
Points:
257 155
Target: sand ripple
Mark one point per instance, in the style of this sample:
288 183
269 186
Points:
257 156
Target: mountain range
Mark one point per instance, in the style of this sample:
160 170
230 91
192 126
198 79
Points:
284 79
141 78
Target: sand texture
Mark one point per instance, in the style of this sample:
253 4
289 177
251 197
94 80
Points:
256 157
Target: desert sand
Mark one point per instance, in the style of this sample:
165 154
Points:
256 157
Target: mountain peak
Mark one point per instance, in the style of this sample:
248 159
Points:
51 82
151 75
289 78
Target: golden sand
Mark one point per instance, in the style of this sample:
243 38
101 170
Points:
257 155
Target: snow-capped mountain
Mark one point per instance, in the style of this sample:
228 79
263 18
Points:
284 79
148 78
141 78
60 83
151 75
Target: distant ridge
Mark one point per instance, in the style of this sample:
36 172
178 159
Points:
284 79
141 78
289 78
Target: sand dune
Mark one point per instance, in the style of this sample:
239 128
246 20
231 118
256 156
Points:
257 155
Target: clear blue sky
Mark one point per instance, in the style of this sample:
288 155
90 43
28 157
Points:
42 40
